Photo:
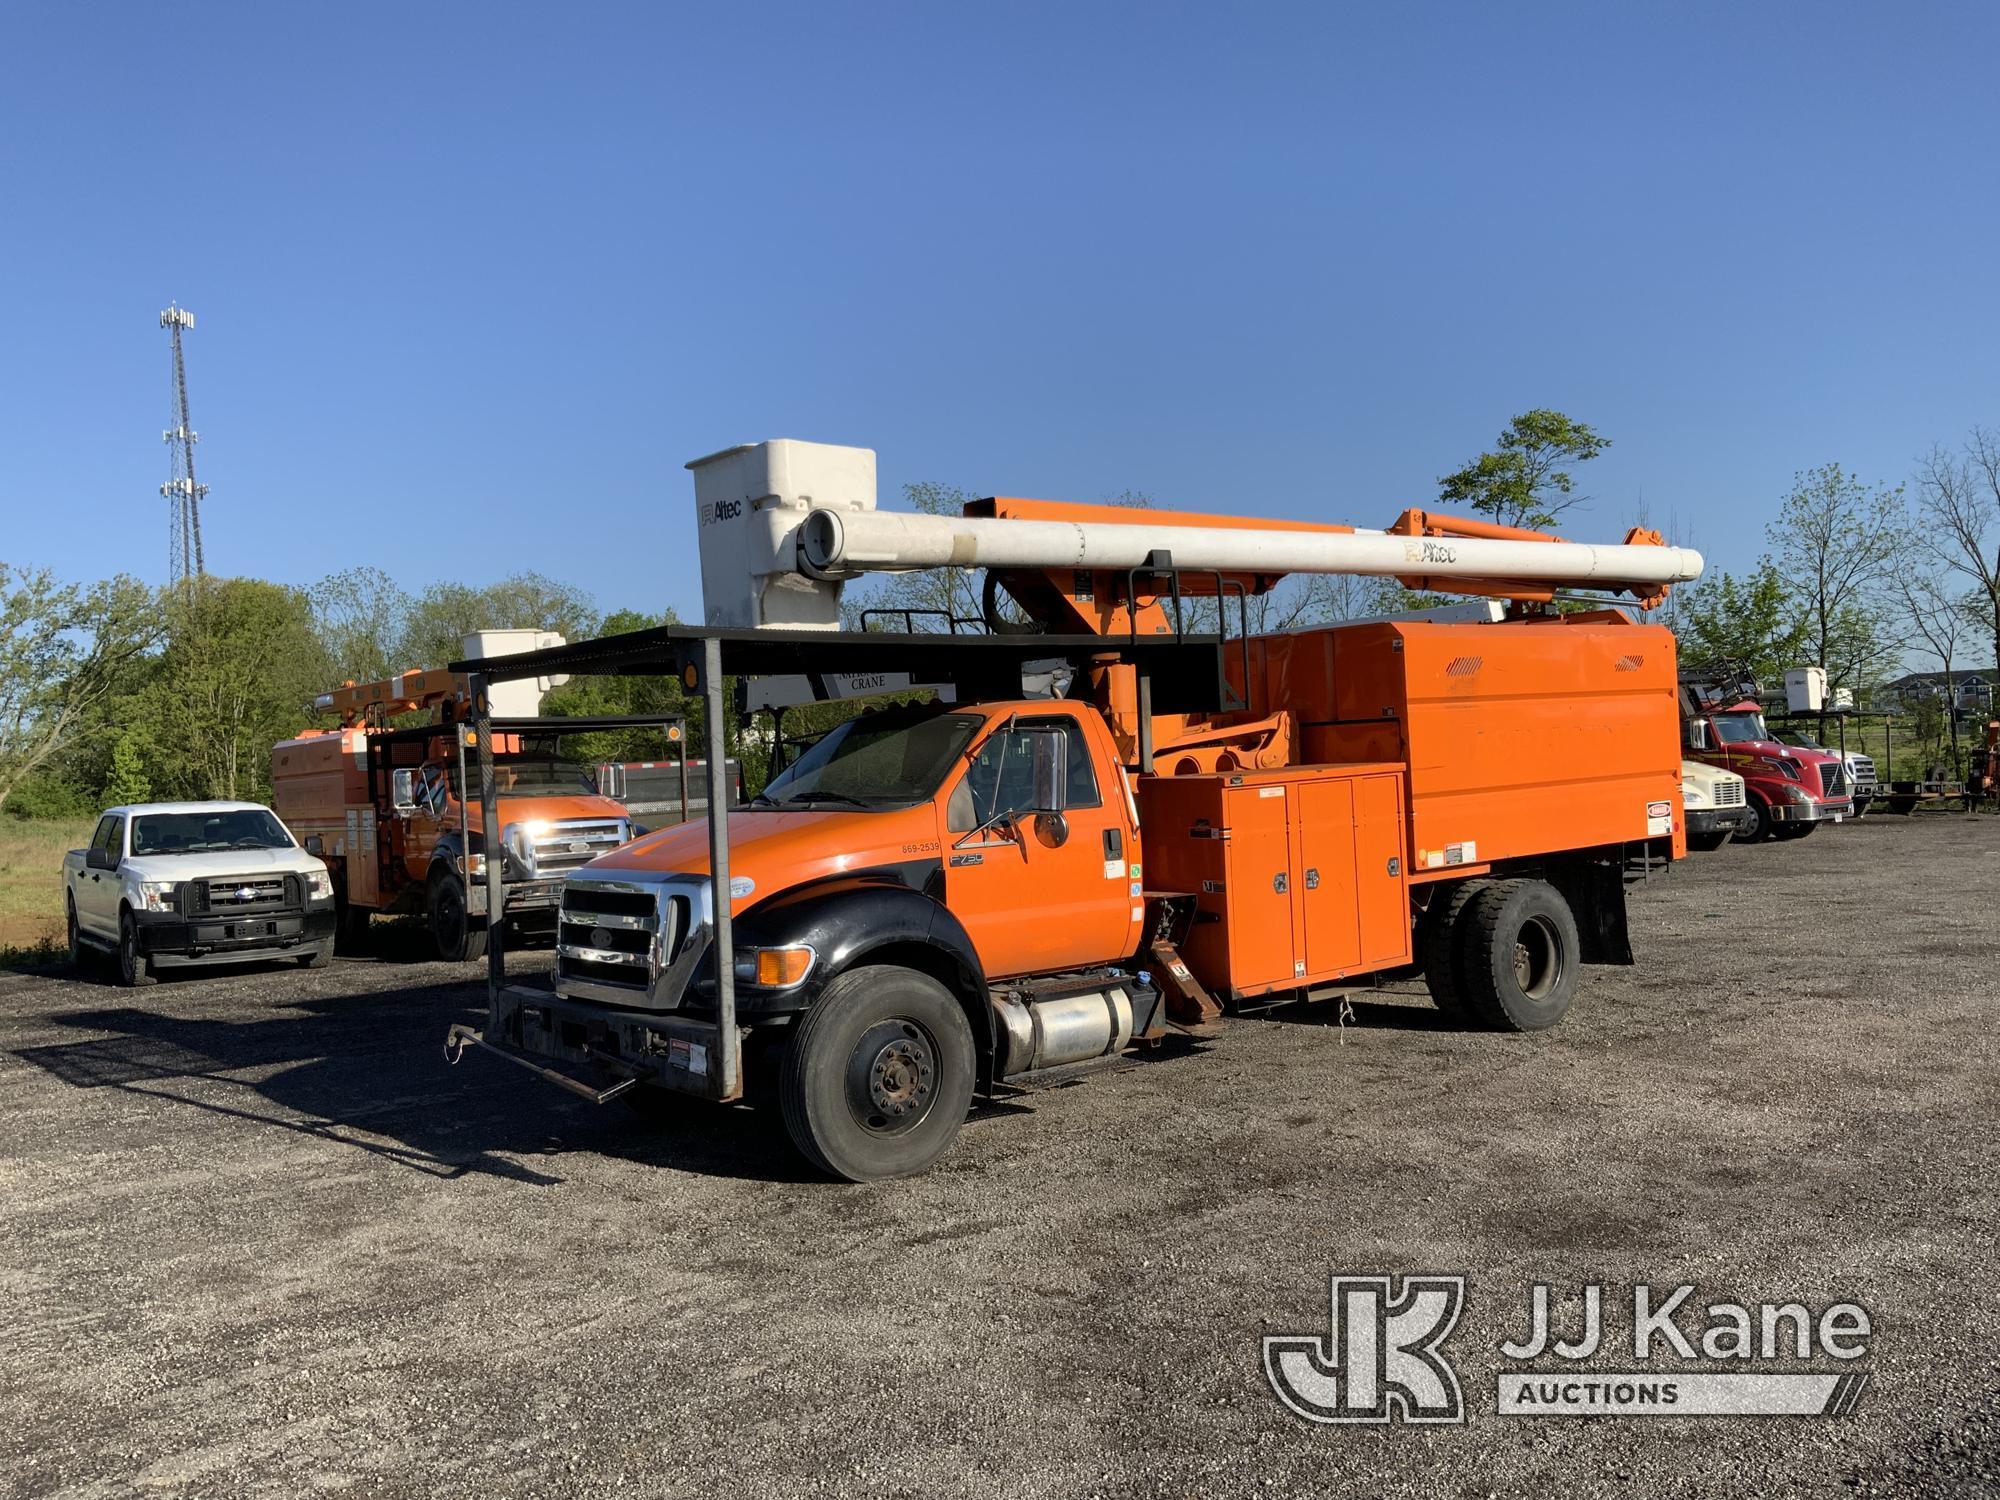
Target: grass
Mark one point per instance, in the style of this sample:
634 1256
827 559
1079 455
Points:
31 894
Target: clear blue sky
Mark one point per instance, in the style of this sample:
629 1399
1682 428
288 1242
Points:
473 282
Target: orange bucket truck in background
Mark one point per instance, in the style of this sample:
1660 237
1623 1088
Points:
393 810
932 899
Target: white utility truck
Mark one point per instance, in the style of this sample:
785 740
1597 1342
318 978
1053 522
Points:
195 883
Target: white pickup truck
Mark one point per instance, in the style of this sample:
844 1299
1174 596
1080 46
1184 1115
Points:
172 883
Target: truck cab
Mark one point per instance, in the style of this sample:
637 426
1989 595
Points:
1791 789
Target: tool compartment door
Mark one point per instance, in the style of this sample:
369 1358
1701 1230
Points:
1260 888
1352 886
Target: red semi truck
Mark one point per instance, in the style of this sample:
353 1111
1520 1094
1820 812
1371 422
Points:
1791 789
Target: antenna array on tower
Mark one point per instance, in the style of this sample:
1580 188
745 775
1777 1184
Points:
182 492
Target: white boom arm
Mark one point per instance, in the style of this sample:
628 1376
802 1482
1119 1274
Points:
835 543
782 524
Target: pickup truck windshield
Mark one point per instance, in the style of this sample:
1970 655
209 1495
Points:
1740 729
878 760
206 832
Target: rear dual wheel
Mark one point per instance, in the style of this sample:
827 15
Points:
1503 954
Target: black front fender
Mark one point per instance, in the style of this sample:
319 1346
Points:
859 920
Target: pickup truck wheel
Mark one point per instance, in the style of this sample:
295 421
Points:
879 1074
452 929
81 954
1520 956
1707 843
134 968
1440 931
1762 830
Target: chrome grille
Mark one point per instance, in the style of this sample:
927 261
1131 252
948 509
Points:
618 937
560 847
1863 767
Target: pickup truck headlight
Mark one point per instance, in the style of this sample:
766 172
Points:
157 895
319 886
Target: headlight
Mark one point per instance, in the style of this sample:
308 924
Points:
156 895
1798 794
1691 794
319 885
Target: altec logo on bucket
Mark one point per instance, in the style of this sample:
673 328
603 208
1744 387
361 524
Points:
1383 1358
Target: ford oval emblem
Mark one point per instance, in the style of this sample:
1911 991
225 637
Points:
579 847
244 893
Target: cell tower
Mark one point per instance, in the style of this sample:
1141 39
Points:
184 559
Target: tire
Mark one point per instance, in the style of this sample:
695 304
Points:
318 956
82 956
1438 933
1708 843
1519 956
1787 833
453 932
1765 823
879 1074
134 969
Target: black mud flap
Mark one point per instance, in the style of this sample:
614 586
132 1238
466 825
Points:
1594 886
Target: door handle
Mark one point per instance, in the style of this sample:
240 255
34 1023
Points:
1312 880
1281 882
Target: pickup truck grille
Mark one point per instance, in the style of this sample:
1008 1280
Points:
1729 794
241 895
562 847
619 938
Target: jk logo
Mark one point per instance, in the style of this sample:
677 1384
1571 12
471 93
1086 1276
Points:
1380 1361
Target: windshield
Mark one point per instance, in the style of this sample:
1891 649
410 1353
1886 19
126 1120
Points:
1800 738
539 768
877 760
205 832
1740 729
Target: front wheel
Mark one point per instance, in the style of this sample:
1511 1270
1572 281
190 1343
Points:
134 968
1519 962
879 1074
452 930
1765 823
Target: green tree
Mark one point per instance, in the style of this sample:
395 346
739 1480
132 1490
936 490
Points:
1749 618
63 648
1833 542
361 616
126 780
237 677
1526 480
436 624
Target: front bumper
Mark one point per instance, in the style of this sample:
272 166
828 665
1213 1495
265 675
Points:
169 937
535 1029
1721 819
1826 810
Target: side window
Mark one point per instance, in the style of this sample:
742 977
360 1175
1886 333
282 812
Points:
114 837
101 838
1001 778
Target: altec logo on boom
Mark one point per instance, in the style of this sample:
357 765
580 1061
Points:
1383 1358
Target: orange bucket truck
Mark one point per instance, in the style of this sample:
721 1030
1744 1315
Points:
928 901
386 806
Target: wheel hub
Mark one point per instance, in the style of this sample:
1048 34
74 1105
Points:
892 1076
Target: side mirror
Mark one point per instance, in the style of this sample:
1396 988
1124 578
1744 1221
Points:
1051 770
403 789
1697 734
100 859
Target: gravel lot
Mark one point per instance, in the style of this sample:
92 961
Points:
256 1238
